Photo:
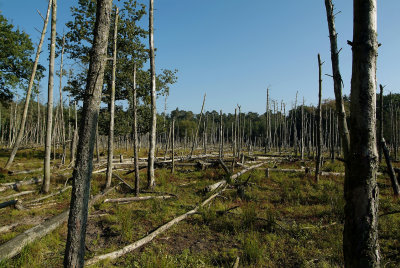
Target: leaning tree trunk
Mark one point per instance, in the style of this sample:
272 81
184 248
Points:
319 122
29 92
360 236
152 140
197 128
337 80
110 154
75 248
46 179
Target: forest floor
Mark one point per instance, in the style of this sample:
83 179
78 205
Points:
285 220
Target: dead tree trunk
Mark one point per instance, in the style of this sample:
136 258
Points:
47 174
135 134
75 248
197 128
337 80
319 122
390 169
360 236
110 154
152 140
29 92
173 146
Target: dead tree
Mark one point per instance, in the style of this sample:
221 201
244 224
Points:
110 154
75 247
337 80
152 139
360 236
49 121
198 127
135 134
319 122
173 146
29 92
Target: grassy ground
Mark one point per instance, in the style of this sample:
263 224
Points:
285 220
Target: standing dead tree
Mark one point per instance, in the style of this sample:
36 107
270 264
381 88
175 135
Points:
337 80
360 236
29 92
135 134
49 121
110 154
75 248
319 122
197 128
152 138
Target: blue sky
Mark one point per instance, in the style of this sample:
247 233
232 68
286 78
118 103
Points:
234 49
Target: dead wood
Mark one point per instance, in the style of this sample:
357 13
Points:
18 184
16 195
152 235
15 245
136 198
50 195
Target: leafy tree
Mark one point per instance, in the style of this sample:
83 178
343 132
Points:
16 50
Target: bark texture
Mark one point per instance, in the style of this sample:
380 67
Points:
360 237
75 248
49 121
152 141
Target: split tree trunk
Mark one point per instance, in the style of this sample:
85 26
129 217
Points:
75 248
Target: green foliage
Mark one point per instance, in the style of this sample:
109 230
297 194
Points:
16 50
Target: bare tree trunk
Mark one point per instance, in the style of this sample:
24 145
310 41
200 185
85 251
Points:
360 236
74 138
110 154
319 122
75 248
61 105
337 80
47 174
135 134
152 146
173 146
198 127
29 92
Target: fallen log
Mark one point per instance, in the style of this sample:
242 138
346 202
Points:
152 235
16 195
26 171
15 245
136 198
221 162
18 184
8 228
50 195
123 182
216 185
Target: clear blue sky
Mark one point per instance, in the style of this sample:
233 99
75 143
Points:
234 49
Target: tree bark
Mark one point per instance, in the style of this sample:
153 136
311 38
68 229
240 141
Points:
29 92
110 154
152 140
337 80
135 135
360 236
319 122
49 121
75 248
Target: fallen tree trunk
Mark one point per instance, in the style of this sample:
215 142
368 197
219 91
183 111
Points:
15 245
16 195
136 198
216 185
8 228
152 235
18 184
26 171
50 195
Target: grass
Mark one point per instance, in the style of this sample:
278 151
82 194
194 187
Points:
286 220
